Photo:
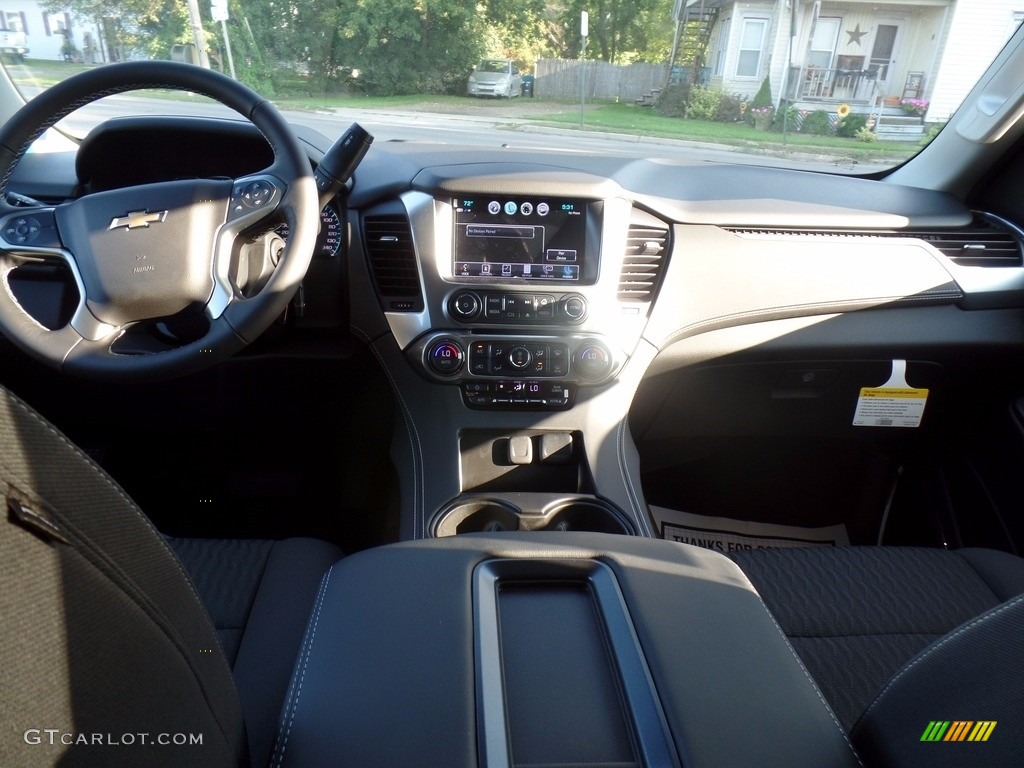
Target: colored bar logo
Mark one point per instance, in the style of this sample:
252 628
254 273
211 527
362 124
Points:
959 730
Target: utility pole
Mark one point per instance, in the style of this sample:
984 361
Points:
197 33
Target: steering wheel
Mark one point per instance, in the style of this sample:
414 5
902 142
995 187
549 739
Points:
154 250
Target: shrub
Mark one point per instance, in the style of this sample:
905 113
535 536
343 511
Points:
762 99
932 133
730 108
817 123
703 104
866 135
788 117
850 125
672 101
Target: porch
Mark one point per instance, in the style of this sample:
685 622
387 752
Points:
814 85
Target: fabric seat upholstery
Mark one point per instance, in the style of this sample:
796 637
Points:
104 631
864 618
258 594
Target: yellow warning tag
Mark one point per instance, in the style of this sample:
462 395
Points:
894 404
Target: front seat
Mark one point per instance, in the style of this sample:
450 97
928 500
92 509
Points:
918 651
108 655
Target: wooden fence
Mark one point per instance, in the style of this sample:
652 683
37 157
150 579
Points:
560 79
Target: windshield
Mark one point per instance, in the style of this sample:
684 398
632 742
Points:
494 66
849 86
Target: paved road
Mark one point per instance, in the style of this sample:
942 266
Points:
458 129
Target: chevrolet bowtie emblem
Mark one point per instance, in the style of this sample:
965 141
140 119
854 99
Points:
136 219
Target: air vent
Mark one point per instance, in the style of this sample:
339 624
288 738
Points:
987 243
393 262
646 246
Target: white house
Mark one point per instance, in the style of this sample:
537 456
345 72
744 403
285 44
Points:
46 33
865 53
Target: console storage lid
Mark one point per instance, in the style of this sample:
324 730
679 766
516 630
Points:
408 642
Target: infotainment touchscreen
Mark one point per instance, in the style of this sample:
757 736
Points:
504 237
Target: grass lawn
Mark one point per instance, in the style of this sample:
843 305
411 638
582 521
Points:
623 118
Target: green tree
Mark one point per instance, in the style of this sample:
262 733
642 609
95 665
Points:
622 30
147 26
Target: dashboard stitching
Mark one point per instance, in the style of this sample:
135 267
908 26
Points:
307 651
767 312
419 522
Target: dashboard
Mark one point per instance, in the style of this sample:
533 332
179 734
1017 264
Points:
533 312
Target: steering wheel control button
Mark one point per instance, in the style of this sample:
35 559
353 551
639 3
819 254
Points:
257 194
445 357
253 195
35 229
593 361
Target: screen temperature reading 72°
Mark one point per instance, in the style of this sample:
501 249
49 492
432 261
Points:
519 238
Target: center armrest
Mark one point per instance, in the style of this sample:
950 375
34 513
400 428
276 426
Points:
552 649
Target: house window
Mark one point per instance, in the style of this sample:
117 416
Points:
752 34
823 43
14 22
723 46
55 23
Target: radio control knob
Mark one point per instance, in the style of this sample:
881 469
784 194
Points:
465 305
574 307
593 361
445 357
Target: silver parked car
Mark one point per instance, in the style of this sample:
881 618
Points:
495 77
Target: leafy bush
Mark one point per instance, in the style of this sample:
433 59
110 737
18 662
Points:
672 101
730 108
762 99
850 125
817 123
703 104
788 117
866 135
932 133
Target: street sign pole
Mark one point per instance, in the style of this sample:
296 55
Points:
584 31
219 12
227 48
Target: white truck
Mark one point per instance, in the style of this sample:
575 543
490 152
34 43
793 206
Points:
12 45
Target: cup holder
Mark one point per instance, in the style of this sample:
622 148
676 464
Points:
483 516
530 512
586 516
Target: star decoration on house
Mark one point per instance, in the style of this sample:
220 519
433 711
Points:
855 35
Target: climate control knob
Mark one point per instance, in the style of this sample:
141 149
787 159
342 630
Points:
593 361
519 357
445 357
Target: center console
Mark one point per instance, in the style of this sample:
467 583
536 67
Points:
555 650
515 306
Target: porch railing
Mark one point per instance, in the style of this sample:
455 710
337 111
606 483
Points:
833 86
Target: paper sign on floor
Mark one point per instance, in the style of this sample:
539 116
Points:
724 534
